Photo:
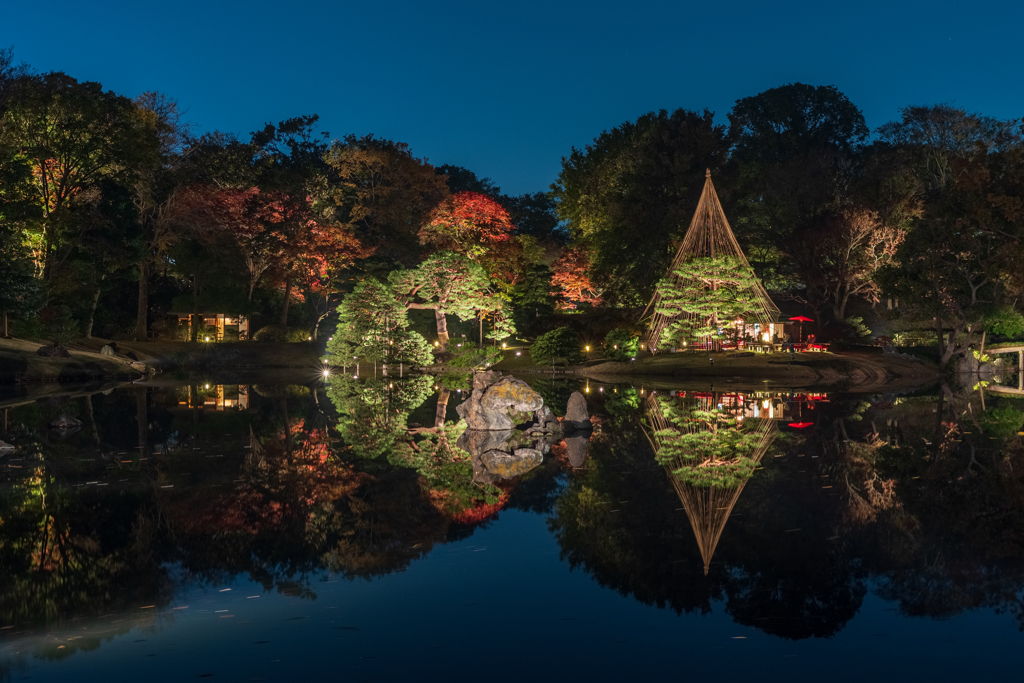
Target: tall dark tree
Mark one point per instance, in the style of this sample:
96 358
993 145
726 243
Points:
630 194
793 158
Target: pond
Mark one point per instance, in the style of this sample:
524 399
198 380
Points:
264 531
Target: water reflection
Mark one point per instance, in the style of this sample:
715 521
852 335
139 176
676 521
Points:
800 504
709 453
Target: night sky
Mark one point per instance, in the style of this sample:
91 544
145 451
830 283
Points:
506 89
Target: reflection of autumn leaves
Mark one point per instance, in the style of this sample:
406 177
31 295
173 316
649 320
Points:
286 477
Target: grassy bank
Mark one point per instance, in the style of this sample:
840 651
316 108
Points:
863 371
19 361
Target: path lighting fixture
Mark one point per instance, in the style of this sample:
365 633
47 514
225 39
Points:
588 348
601 390
309 339
327 373
206 339
518 353
206 386
435 343
616 346
503 345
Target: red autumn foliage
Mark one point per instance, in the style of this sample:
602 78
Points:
571 280
465 219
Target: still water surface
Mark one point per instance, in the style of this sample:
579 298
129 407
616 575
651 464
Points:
254 532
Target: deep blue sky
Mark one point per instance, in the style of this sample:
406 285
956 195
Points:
506 89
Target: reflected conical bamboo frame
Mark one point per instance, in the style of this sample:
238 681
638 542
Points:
709 236
707 507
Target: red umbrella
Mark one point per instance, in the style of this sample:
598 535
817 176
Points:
800 425
801 319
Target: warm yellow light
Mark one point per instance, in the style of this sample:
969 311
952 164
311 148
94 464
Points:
588 348
502 344
327 373
616 346
206 339
207 386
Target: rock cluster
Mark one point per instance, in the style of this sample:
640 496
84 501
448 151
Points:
6 448
496 406
53 352
498 403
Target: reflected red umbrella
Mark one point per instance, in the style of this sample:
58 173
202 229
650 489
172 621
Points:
801 425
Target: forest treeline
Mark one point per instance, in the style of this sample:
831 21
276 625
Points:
115 212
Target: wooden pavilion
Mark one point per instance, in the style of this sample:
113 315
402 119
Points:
707 507
710 237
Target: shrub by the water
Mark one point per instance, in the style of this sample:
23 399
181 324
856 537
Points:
621 345
60 326
271 333
559 344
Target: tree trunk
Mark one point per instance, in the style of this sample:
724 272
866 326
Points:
142 314
92 309
287 300
442 328
481 316
442 408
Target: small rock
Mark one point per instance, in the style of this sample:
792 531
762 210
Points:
65 421
6 448
544 417
576 413
131 356
107 350
137 365
53 352
576 449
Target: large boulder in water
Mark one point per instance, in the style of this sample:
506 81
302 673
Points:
576 413
478 417
107 350
507 465
478 441
498 406
509 392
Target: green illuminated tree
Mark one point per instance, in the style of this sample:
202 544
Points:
705 296
446 283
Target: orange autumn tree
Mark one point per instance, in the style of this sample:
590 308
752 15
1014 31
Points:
476 226
571 280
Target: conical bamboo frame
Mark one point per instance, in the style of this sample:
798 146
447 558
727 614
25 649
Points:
709 236
707 507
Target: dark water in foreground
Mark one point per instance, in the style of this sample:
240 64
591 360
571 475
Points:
268 532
